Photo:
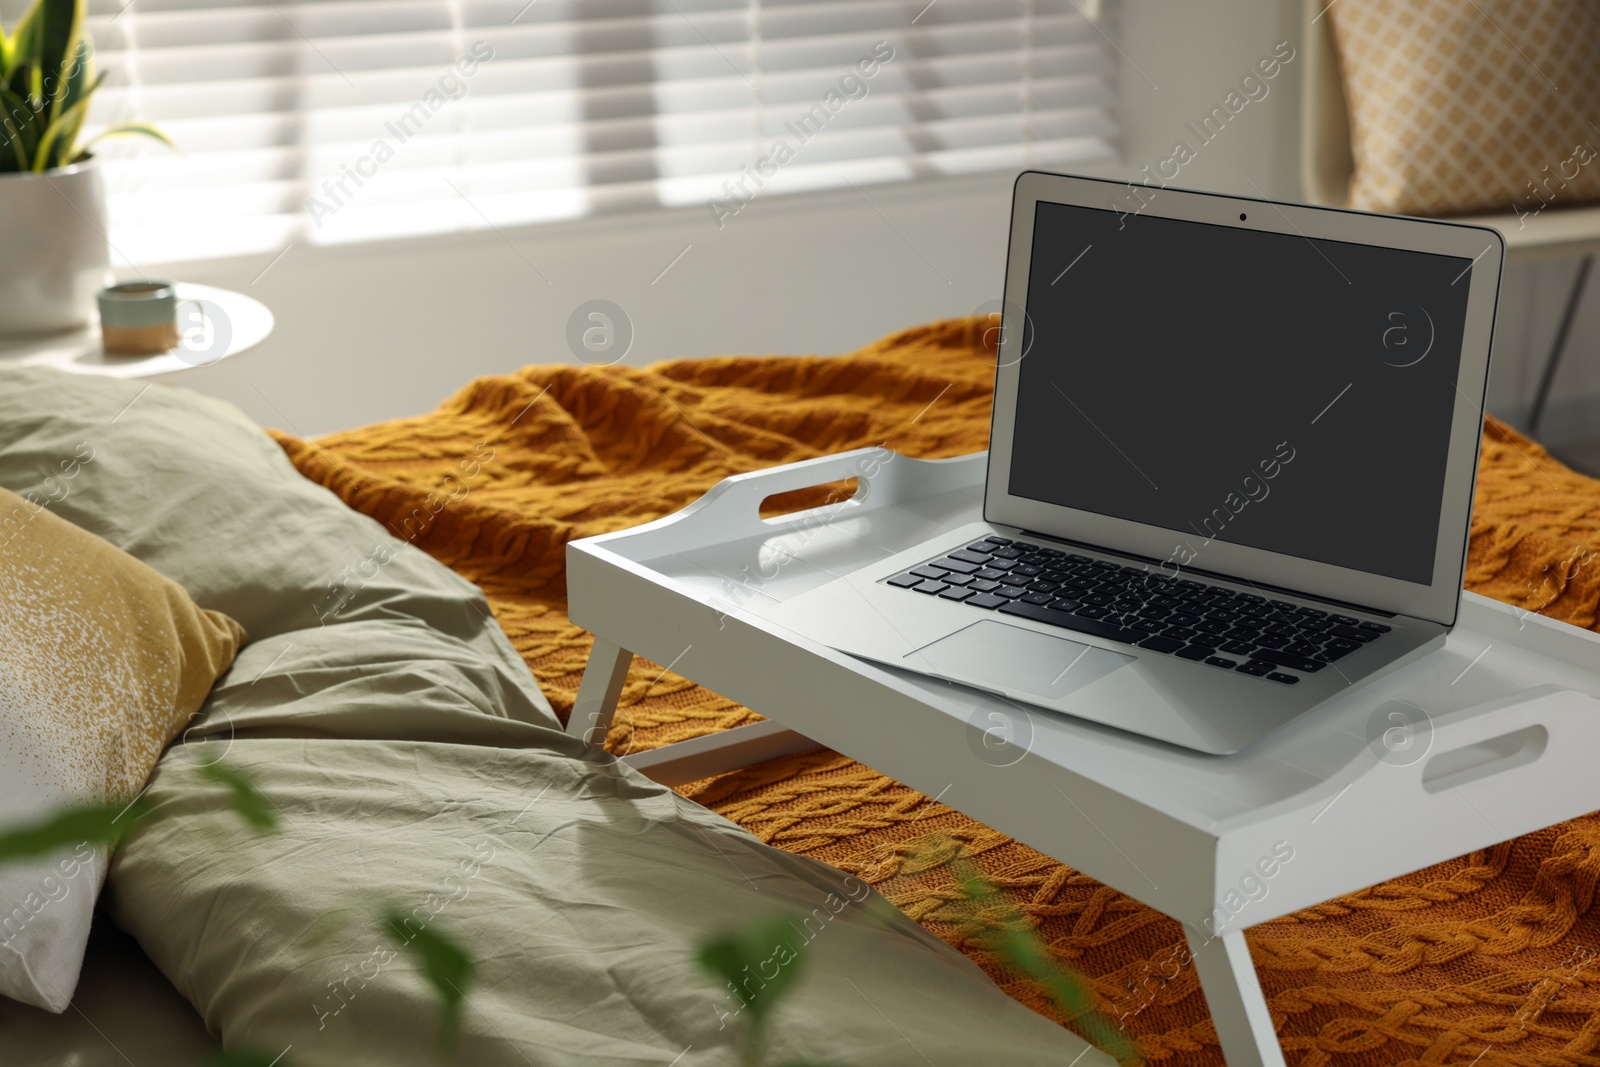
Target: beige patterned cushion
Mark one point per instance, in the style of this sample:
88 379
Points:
1461 106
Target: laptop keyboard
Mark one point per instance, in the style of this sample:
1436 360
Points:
1192 620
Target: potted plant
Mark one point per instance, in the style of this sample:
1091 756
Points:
52 204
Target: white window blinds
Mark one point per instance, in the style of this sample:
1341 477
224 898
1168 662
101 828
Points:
341 120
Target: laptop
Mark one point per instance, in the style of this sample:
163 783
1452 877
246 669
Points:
1231 465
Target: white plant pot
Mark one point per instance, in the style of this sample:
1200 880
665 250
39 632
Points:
53 231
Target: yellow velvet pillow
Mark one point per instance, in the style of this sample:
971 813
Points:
1471 106
102 663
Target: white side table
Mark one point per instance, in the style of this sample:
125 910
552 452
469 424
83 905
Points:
213 324
1505 746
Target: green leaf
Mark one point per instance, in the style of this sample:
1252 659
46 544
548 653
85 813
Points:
55 147
251 804
21 83
1022 949
107 824
58 135
78 74
14 155
126 129
25 37
325 926
447 967
7 52
60 31
761 961
98 824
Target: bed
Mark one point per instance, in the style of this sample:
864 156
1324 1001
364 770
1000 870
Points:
417 770
1487 958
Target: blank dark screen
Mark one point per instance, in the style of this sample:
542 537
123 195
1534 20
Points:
1257 388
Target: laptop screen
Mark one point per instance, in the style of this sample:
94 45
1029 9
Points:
1228 384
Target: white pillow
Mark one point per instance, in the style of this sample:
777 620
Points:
45 928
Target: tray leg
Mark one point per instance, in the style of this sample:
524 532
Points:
596 703
1233 993
718 753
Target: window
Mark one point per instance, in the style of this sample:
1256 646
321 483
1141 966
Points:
343 120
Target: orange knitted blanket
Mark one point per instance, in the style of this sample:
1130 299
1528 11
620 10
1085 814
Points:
1489 959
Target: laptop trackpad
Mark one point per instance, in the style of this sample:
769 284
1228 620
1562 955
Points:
996 655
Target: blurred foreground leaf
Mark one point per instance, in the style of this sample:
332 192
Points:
1019 946
448 968
747 956
251 804
326 925
98 824
107 824
760 964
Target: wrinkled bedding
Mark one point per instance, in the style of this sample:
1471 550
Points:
415 767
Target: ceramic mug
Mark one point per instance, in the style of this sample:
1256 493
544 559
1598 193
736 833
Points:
139 318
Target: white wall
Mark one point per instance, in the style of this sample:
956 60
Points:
375 331
370 332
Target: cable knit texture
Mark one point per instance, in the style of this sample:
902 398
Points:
1490 958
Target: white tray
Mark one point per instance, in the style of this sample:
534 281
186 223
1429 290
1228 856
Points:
1512 706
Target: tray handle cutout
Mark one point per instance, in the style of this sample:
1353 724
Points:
790 502
742 499
733 508
1481 759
